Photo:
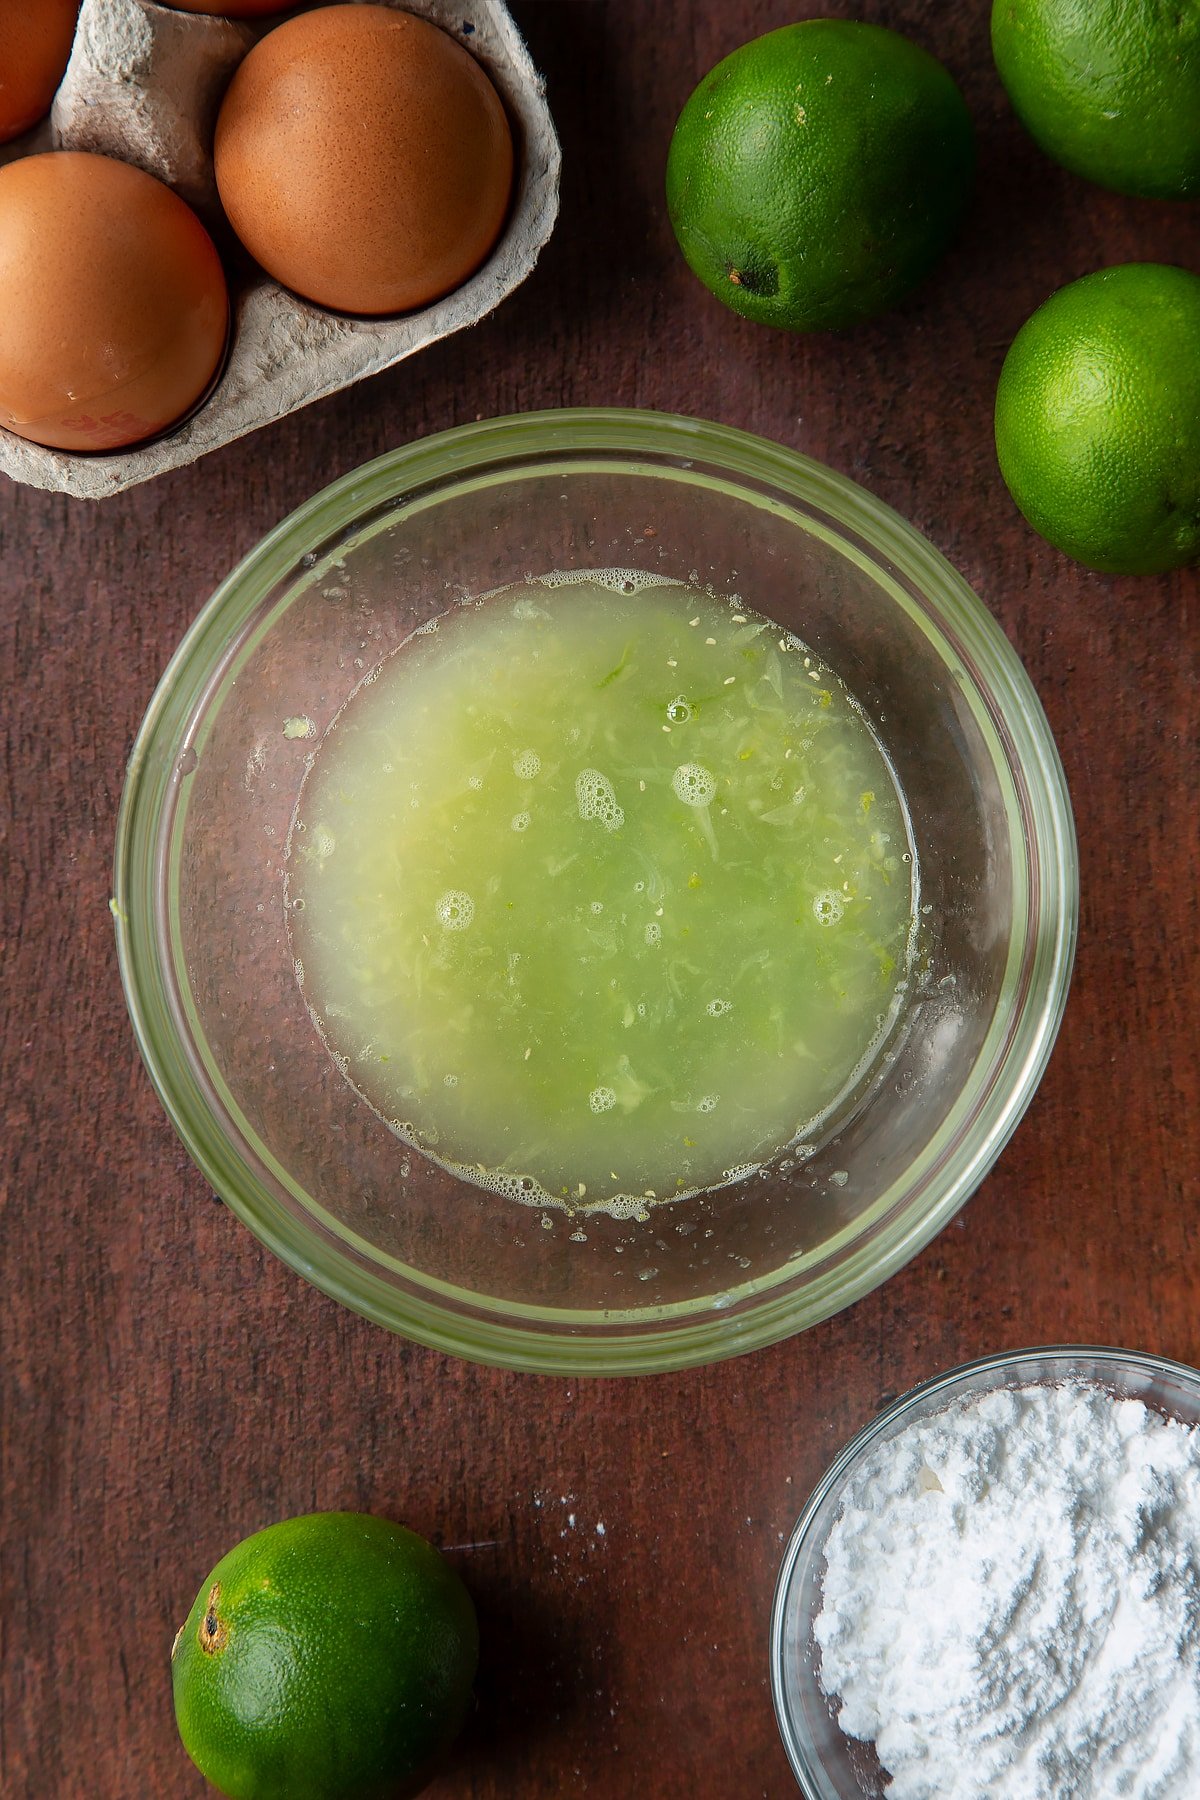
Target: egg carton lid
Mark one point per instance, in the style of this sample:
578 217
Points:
144 84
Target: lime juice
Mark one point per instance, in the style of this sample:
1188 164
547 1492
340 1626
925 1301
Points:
601 890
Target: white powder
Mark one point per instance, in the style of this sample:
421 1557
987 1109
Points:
1011 1606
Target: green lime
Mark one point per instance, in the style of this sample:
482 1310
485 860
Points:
326 1658
1109 88
1098 419
816 175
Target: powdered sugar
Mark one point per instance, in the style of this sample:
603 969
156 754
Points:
1011 1604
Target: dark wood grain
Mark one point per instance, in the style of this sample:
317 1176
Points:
169 1387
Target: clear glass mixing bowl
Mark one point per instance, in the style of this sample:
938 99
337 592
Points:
205 953
827 1764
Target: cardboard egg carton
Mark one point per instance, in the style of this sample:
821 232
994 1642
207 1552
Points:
144 84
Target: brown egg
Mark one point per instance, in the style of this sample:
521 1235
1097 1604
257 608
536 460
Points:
113 307
35 44
364 159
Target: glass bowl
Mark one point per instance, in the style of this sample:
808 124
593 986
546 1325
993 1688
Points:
827 1764
208 969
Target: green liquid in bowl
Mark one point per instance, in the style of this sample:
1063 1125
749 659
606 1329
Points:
601 891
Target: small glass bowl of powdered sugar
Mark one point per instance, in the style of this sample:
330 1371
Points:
994 1593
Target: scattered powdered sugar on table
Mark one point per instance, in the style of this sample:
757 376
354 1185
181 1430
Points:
1011 1605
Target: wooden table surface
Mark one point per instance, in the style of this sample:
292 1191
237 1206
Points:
169 1387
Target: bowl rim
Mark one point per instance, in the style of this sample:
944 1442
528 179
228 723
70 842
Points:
648 442
806 1765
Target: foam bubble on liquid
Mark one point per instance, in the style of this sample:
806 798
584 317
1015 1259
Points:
521 1188
617 581
717 1009
520 821
596 799
319 843
527 1191
678 710
455 910
602 1099
708 1103
694 785
828 907
527 765
653 933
